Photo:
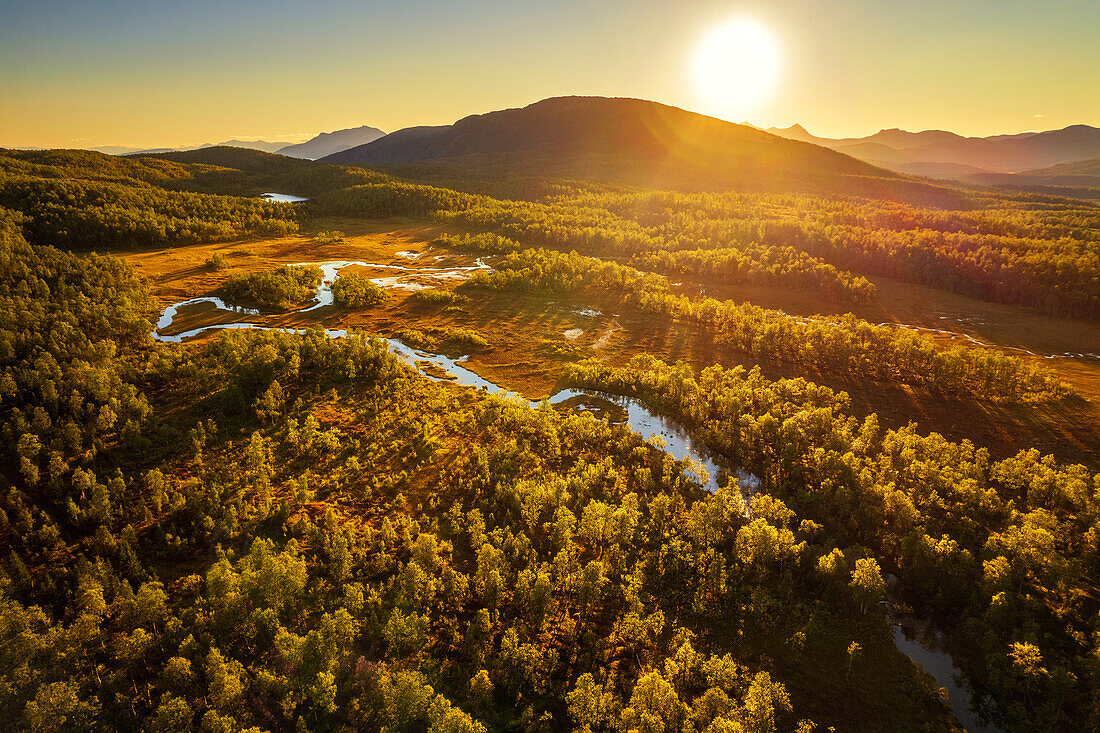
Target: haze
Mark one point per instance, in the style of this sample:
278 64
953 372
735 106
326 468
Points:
78 74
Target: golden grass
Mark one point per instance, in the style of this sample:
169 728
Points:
519 328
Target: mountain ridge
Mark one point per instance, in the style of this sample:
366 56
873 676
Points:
629 141
327 143
946 154
318 146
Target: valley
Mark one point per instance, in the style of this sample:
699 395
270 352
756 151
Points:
522 449
522 329
508 367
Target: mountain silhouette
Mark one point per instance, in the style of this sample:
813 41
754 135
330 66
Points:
631 141
944 154
328 143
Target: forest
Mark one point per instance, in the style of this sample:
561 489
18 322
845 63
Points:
1007 551
847 346
283 531
279 288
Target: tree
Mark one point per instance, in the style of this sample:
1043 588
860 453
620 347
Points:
853 651
352 290
404 699
867 584
590 704
653 708
270 404
224 681
1027 664
58 707
481 689
443 717
173 715
765 702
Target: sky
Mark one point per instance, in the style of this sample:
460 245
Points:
152 73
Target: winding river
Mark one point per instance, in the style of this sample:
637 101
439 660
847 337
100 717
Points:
658 429
924 646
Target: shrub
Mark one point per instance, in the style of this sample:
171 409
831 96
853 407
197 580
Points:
484 242
446 339
355 291
333 237
278 288
436 297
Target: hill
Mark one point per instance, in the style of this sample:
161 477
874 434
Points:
128 150
943 154
630 141
1077 168
264 145
244 159
1080 179
1076 173
328 143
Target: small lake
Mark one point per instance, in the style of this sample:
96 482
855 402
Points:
283 198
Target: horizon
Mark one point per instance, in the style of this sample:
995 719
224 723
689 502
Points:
289 139
126 74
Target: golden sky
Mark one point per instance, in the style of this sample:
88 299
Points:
151 73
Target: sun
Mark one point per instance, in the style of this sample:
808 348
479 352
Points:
736 67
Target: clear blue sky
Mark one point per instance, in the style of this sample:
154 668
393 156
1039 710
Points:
171 73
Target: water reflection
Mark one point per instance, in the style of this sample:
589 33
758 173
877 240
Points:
283 198
925 647
170 312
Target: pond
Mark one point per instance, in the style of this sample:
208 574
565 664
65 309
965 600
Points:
283 198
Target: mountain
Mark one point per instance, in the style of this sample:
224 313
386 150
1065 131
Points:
127 150
249 160
328 143
264 145
629 141
1079 178
795 132
943 154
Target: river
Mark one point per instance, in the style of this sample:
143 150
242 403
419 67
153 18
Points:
658 429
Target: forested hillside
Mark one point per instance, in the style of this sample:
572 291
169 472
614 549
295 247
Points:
633 142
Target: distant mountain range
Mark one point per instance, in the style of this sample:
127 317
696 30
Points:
941 154
264 145
328 143
323 144
646 143
630 141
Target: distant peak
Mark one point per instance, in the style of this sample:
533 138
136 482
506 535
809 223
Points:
794 132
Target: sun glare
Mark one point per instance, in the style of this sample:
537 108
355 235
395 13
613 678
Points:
736 67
